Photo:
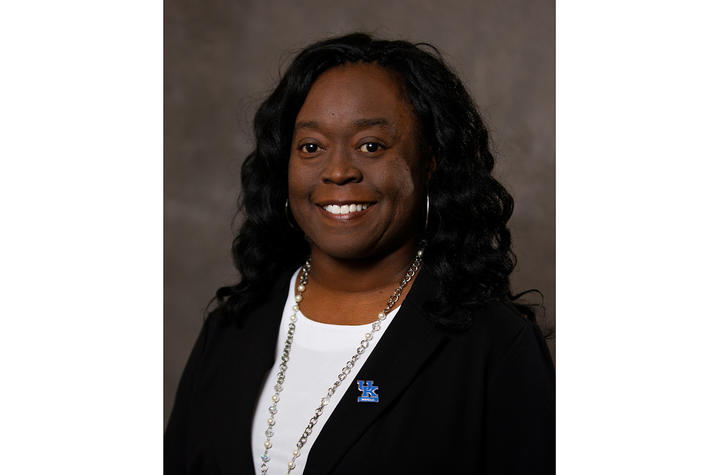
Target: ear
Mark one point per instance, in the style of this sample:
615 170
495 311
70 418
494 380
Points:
430 167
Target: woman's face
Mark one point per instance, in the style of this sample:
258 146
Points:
357 179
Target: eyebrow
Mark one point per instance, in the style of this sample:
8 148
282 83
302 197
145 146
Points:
364 123
357 124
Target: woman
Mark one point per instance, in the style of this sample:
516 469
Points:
373 329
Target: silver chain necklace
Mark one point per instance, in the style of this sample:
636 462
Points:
363 345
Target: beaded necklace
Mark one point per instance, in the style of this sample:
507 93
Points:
363 345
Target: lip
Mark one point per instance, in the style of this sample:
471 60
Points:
344 217
323 203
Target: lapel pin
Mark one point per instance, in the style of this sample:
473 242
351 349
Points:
368 391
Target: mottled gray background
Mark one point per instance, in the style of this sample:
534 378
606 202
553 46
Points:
223 57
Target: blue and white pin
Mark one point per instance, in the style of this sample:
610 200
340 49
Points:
368 391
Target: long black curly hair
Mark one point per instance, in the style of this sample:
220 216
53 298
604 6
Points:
468 245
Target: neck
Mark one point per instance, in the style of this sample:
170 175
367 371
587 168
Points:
360 288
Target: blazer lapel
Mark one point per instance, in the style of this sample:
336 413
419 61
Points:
407 343
253 358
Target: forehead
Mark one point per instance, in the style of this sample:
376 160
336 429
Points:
361 91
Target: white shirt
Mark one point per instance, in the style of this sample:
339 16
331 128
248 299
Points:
319 352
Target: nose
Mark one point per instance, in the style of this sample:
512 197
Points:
340 168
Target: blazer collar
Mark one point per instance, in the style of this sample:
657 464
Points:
406 344
264 324
254 351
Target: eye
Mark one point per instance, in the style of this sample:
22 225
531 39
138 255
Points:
310 148
370 147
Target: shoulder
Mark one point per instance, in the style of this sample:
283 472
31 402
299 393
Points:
224 325
510 338
241 311
496 328
500 335
502 321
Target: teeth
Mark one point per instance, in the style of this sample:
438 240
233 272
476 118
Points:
345 209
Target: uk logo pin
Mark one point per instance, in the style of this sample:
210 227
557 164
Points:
368 391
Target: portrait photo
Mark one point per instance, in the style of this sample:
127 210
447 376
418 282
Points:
465 88
350 238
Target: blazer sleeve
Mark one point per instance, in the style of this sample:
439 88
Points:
520 423
175 450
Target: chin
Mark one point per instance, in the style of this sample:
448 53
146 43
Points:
346 252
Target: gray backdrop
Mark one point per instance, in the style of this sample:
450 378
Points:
223 57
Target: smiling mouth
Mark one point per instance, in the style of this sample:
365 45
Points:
346 210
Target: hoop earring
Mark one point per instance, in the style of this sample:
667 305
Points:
286 213
426 223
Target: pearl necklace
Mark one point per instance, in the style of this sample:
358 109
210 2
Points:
363 345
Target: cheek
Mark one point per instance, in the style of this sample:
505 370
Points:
408 188
296 178
402 182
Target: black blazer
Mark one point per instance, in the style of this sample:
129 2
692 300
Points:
475 401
